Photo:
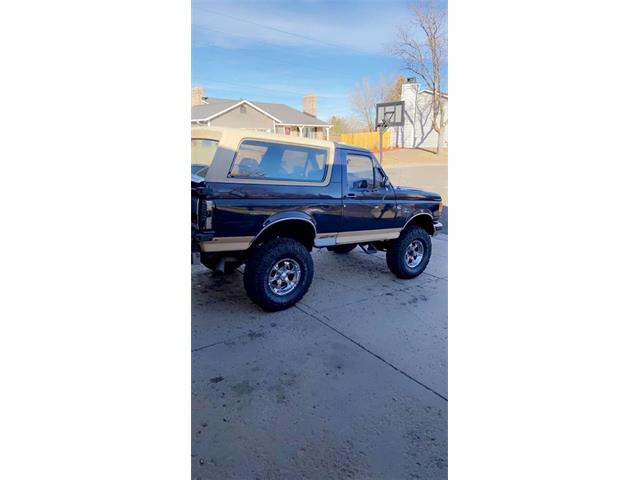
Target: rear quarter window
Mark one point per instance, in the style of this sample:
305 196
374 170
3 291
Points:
259 159
202 153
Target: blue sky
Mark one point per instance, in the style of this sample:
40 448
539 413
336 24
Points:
278 51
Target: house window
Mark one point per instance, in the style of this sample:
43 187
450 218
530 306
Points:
277 161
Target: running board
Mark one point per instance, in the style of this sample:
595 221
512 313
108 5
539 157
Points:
369 250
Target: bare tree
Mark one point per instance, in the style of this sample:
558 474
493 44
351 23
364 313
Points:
365 96
423 48
395 92
343 124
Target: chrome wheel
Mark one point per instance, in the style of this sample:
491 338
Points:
284 276
414 253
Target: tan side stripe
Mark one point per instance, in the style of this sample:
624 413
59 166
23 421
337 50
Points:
226 244
229 244
368 235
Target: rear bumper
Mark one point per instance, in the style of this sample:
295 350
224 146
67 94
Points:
437 227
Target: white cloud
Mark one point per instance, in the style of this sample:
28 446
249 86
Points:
360 27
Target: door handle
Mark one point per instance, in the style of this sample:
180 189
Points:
351 195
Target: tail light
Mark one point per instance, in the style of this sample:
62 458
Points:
205 214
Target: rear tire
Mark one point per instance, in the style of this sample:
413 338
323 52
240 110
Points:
408 255
278 274
342 249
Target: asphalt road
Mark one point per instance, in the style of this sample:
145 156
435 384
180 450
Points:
414 167
419 168
444 219
351 383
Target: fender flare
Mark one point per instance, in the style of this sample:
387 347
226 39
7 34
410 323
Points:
418 214
283 217
289 215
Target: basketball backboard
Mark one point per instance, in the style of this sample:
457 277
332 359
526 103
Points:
390 114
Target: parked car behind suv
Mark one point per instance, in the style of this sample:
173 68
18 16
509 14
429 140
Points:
267 200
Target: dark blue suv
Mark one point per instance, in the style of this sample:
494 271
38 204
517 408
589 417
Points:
267 200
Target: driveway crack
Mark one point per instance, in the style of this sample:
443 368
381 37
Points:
197 349
326 324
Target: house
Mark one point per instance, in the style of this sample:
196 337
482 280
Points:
418 115
268 117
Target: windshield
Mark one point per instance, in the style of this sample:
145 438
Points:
202 153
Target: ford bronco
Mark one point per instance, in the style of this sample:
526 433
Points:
267 200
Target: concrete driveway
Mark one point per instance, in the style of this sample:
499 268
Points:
350 383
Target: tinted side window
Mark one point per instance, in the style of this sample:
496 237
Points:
278 161
359 172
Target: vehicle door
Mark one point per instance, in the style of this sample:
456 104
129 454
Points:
369 203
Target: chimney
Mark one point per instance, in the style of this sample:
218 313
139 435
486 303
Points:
309 105
197 93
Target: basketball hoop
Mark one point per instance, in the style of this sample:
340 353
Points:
388 114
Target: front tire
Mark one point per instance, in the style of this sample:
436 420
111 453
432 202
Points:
278 274
408 256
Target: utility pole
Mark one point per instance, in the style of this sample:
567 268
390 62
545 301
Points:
382 128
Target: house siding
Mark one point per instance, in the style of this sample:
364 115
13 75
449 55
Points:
243 116
416 132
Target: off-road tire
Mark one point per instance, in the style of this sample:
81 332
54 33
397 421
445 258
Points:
210 263
258 268
342 249
397 249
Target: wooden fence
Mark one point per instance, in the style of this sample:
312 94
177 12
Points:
370 140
